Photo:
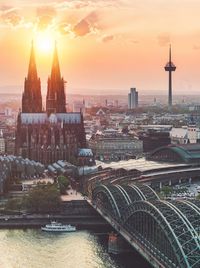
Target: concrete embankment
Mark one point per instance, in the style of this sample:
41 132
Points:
37 220
78 213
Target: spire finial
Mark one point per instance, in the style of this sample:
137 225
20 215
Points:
32 71
170 53
55 71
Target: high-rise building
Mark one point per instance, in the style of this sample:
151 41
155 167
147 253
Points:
133 99
2 143
170 67
52 135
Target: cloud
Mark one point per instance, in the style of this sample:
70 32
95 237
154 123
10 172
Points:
163 39
45 15
196 47
64 17
92 17
6 8
82 4
133 41
107 38
11 16
88 24
64 28
82 28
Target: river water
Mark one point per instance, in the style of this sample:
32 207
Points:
82 249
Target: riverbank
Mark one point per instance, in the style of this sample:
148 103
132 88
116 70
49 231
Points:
74 212
37 220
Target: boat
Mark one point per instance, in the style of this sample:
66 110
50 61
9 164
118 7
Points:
58 227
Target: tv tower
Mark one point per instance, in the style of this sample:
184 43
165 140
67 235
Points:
170 67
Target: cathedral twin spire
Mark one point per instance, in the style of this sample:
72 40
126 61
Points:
55 70
32 70
32 98
55 99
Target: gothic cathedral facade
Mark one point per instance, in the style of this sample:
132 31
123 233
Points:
53 134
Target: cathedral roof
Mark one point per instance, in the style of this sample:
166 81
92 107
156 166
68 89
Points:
41 118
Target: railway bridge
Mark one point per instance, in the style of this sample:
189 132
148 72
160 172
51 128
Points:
165 233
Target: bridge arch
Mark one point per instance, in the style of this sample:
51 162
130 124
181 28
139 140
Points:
132 193
191 215
115 199
147 192
162 229
111 199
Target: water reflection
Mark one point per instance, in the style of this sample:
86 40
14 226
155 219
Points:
37 249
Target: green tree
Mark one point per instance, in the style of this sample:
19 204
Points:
63 183
63 180
43 198
13 204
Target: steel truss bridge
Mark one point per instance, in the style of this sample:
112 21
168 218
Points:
166 233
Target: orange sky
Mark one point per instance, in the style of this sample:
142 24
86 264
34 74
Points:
105 46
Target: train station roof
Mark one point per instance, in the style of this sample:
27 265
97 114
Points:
140 164
182 153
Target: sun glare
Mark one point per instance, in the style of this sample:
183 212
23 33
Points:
44 42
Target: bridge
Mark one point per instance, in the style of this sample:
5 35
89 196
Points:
165 233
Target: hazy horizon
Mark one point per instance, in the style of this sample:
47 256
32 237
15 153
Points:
18 90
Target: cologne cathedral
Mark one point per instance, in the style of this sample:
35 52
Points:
54 134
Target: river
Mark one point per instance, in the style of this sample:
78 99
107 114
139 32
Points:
83 249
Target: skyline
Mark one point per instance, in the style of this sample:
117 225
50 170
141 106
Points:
98 50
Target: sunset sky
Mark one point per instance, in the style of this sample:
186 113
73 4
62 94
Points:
105 46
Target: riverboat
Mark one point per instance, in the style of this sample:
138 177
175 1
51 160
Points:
58 227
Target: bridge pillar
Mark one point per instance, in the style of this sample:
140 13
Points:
160 185
179 181
170 182
117 244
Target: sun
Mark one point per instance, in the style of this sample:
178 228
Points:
45 42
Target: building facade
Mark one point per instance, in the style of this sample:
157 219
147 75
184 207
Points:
54 134
185 135
153 139
115 147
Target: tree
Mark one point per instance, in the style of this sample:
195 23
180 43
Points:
63 180
13 204
43 198
63 183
